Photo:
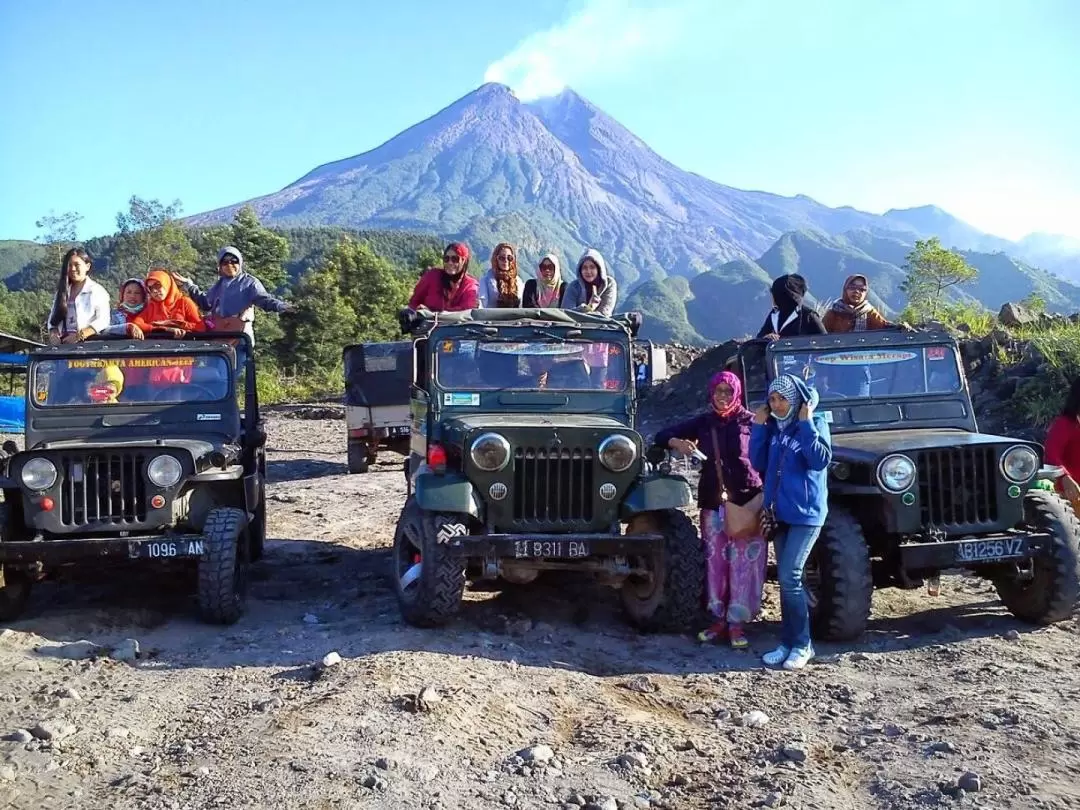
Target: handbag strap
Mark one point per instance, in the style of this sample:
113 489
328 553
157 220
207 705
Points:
779 466
719 466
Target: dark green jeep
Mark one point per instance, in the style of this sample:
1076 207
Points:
525 459
914 487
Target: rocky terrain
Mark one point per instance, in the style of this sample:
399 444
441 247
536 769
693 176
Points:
112 695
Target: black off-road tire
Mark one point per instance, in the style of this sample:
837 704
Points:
1054 591
434 599
15 592
675 601
840 607
223 567
359 460
257 533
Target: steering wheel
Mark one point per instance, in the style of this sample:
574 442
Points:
207 394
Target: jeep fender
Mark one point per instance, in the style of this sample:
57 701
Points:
448 493
654 493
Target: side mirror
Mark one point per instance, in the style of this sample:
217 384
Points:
10 448
634 319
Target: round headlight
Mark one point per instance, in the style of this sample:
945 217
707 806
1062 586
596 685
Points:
1019 464
490 452
163 471
617 453
896 473
38 473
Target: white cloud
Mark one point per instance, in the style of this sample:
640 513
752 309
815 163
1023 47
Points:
602 39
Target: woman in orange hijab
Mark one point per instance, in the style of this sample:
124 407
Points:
167 309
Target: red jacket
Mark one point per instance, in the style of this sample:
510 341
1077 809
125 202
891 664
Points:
1063 446
430 293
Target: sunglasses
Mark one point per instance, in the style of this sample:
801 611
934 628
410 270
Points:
229 260
452 259
506 257
856 288
548 266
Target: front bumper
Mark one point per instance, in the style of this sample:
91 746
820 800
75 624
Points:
556 546
80 549
971 551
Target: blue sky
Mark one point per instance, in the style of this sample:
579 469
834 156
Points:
968 104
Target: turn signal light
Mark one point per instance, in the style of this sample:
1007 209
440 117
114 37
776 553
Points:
436 457
46 504
157 501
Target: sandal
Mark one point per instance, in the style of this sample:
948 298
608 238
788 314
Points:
738 637
715 632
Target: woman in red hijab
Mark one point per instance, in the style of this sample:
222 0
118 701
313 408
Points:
735 572
167 309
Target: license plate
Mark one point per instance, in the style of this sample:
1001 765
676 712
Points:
167 549
983 550
399 431
571 549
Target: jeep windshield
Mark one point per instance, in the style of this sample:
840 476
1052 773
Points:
875 373
137 379
564 365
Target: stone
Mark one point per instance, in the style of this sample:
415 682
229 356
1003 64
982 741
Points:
794 753
1012 635
311 618
7 773
118 733
386 764
642 684
427 699
755 719
1013 315
126 650
331 659
634 760
269 704
19 735
943 747
52 731
73 650
67 693
540 754
970 782
774 799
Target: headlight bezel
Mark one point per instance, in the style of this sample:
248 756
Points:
1019 448
52 475
896 457
502 442
165 482
607 444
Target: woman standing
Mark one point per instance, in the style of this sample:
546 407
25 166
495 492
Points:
788 316
81 306
548 288
791 447
1063 446
449 288
735 569
132 302
854 312
501 286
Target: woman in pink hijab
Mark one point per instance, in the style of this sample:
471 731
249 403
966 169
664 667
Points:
736 566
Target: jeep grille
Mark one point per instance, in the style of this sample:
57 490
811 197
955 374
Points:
102 489
958 487
553 487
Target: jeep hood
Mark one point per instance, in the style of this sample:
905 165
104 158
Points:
881 442
541 421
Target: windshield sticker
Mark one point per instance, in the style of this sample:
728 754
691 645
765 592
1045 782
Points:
935 353
208 417
827 415
865 358
531 348
446 347
135 362
460 399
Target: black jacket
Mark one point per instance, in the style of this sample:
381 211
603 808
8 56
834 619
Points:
529 297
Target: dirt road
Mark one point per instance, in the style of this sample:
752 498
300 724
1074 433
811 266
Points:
537 697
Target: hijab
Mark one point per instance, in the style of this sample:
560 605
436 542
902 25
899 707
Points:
547 292
788 387
731 380
128 309
858 312
506 280
165 310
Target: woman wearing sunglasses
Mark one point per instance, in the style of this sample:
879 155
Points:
449 288
854 312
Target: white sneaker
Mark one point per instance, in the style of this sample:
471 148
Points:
777 656
799 658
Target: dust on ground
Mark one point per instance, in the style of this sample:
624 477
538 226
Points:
539 696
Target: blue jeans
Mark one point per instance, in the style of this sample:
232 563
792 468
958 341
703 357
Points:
793 545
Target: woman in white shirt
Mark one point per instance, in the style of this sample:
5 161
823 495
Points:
81 308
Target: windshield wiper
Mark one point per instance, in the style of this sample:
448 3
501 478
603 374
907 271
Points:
481 331
556 336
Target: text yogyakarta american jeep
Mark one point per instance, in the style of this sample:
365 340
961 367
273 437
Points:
525 459
138 452
914 487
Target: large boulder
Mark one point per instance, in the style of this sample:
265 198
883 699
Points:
1013 315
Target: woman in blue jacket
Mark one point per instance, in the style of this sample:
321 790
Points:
791 447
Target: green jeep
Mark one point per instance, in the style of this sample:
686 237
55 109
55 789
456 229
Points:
914 487
524 458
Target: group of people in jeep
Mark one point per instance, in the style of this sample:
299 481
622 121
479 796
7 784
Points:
164 303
